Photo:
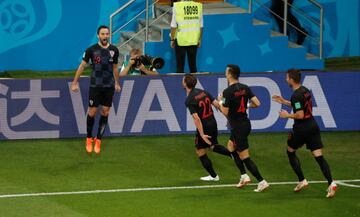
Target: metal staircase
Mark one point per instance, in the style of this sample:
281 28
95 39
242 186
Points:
160 20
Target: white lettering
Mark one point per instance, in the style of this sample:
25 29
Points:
322 109
157 89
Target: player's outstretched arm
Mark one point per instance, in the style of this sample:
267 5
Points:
281 100
297 115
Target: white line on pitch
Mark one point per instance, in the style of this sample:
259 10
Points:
348 185
160 189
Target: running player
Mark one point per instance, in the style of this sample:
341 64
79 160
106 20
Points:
305 131
233 105
199 102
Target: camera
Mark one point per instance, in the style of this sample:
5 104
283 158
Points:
146 60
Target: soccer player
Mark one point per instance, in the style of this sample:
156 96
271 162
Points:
233 104
305 131
104 63
199 102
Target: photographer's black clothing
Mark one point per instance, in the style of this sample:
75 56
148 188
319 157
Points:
134 70
277 6
180 52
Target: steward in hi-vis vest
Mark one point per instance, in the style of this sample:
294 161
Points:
186 32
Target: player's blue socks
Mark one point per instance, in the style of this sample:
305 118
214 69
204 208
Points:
89 125
295 164
206 162
324 166
239 163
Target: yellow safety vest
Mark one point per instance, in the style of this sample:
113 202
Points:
188 16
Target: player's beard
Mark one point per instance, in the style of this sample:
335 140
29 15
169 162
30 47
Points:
104 41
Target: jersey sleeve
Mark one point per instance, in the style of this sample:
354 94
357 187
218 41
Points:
250 93
87 55
173 23
297 102
191 106
116 55
226 99
210 96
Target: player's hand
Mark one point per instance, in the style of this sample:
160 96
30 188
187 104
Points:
278 99
74 87
117 87
283 113
199 44
206 139
172 44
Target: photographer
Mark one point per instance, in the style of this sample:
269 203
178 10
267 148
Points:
135 67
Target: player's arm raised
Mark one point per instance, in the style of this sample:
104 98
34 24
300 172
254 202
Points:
200 128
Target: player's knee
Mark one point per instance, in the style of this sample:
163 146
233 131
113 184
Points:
92 113
200 152
290 153
317 153
105 112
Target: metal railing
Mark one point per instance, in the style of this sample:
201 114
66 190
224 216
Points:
147 22
320 23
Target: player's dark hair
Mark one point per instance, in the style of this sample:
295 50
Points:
190 81
234 70
294 74
102 27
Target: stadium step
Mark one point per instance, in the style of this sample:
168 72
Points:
257 46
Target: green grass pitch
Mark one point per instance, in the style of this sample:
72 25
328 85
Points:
61 165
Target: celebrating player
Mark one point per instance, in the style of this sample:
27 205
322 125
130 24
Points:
305 131
234 105
199 103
